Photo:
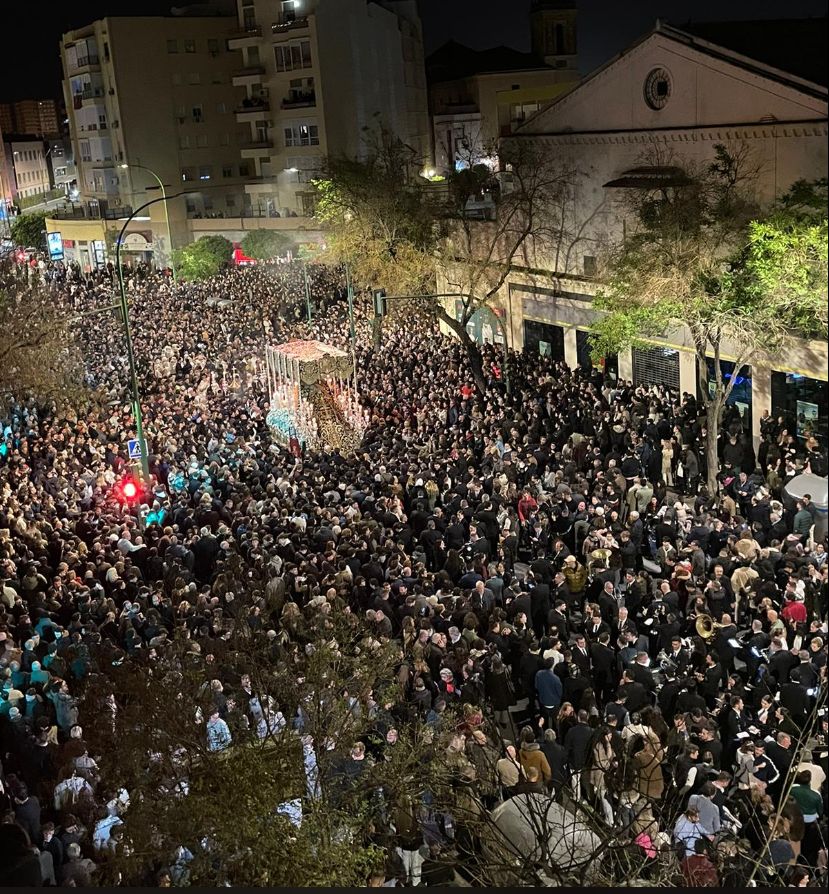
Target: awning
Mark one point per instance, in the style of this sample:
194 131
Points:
650 177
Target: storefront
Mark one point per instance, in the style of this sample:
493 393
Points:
740 398
802 402
545 339
656 366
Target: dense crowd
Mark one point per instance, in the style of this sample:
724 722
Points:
549 559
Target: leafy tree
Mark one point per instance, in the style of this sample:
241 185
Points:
396 231
262 245
703 255
203 258
38 353
313 698
28 230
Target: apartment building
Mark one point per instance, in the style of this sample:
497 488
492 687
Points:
27 168
151 98
319 76
476 97
30 116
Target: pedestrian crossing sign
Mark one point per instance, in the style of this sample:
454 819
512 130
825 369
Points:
136 449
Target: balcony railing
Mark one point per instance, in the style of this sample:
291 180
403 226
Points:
89 212
252 105
251 31
298 100
286 24
249 71
84 61
257 144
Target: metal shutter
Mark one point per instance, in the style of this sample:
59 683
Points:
656 366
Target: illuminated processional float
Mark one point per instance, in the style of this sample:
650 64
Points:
313 398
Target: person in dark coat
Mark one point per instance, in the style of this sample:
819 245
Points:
498 689
577 744
557 759
19 863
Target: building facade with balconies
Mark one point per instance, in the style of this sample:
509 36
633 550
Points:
476 97
155 94
318 77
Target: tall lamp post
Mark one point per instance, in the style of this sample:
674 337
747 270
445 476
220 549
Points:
166 213
135 393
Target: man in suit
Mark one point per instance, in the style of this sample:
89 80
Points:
558 618
577 744
603 660
635 694
680 657
581 655
642 673
732 723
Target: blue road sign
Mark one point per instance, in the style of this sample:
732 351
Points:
135 449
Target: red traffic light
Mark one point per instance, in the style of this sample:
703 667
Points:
129 489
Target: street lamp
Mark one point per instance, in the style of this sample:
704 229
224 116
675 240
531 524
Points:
125 312
166 213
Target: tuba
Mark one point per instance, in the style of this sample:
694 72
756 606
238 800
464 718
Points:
706 626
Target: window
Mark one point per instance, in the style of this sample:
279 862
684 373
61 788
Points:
227 171
204 172
186 174
302 135
589 262
225 139
522 110
244 170
86 155
198 114
176 79
172 46
216 78
106 52
193 78
230 201
189 46
190 205
293 56
184 142
213 46
201 141
221 108
208 203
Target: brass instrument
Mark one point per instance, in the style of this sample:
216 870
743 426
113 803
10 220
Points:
707 626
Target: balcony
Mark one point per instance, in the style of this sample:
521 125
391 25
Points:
251 109
86 62
299 101
255 148
250 74
243 37
289 24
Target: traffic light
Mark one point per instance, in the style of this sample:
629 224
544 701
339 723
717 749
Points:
129 490
379 302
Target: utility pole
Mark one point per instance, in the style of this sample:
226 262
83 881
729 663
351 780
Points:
352 332
307 290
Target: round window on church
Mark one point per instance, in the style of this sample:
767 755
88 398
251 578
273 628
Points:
657 88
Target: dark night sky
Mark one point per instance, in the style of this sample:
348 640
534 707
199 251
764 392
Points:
605 27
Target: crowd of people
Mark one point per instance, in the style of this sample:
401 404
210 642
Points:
549 559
